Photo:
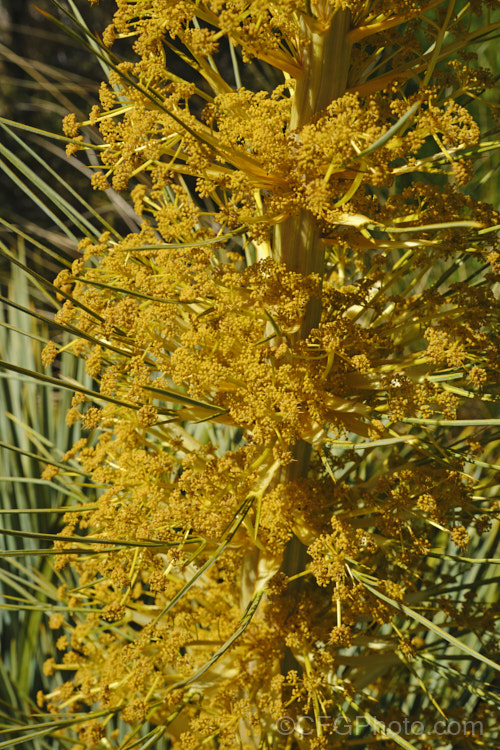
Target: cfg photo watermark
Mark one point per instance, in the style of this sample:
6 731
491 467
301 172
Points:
307 726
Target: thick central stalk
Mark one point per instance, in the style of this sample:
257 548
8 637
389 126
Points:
325 64
297 242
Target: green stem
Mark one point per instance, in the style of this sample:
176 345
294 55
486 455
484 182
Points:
297 241
325 63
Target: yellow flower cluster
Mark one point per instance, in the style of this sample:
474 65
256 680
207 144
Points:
263 350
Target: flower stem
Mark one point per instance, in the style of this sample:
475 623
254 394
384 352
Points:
325 64
297 242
